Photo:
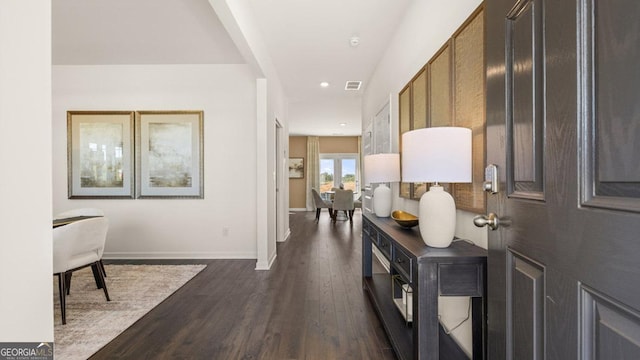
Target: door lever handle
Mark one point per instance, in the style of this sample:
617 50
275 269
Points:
490 220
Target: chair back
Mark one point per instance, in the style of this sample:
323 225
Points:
79 243
343 200
317 199
79 212
357 203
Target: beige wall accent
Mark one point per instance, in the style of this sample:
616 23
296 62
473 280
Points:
298 148
328 145
338 144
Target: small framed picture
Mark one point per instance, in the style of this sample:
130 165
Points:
296 168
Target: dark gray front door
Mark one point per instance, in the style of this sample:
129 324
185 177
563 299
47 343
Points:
563 127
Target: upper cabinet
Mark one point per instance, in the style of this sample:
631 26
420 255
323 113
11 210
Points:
449 91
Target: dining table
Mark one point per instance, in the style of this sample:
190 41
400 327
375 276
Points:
328 195
69 220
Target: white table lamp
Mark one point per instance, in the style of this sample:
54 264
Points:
438 154
382 168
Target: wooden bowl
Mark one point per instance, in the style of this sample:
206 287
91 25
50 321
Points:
404 219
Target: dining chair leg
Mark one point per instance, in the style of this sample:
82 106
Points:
104 272
318 214
96 275
104 284
62 280
67 281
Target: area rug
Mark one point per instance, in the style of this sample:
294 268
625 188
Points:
92 321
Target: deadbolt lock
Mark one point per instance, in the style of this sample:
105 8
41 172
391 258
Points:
490 183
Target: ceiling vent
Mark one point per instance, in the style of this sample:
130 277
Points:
353 85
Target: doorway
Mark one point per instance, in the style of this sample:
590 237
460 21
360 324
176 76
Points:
281 219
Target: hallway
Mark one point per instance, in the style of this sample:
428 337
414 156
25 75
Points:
310 305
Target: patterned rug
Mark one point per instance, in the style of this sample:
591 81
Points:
92 321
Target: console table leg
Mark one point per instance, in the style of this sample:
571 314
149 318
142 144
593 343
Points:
477 327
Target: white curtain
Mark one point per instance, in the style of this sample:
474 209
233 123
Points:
360 162
313 168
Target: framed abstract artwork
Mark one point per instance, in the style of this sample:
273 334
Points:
169 154
100 154
296 168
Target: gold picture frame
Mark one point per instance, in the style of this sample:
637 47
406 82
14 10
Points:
100 154
169 154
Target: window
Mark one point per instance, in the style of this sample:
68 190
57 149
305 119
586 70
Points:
336 169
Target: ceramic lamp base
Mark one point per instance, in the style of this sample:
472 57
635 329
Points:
382 201
437 217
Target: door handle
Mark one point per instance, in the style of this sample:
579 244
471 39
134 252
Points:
491 220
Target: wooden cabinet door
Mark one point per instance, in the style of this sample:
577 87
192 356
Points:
563 127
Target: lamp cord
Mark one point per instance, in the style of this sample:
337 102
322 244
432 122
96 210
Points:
449 331
465 240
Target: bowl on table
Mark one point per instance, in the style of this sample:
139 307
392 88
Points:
404 219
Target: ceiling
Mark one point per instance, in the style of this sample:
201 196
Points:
308 41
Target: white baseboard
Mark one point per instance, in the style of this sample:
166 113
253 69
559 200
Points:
286 236
177 255
298 209
266 266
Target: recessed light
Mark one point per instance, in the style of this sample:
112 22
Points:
324 84
343 124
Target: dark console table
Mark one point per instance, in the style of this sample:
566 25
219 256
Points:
418 274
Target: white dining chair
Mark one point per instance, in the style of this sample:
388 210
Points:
343 201
320 204
87 211
76 246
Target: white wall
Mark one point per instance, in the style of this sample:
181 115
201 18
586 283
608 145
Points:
237 18
160 228
426 27
26 304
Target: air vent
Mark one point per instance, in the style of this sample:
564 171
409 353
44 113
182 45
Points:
353 85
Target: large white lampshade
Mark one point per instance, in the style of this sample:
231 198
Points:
438 154
382 168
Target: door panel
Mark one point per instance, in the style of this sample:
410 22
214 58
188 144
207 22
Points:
526 300
609 329
525 90
610 32
563 127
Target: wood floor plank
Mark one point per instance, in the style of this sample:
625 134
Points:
310 305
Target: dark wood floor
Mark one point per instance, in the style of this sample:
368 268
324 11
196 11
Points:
310 305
